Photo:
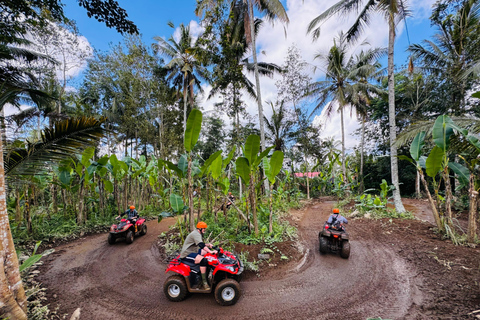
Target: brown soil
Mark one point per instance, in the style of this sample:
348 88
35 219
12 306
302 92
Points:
397 269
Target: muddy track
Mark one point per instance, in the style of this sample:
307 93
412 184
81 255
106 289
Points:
121 281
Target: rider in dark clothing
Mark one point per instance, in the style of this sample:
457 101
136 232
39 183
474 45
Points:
131 214
337 221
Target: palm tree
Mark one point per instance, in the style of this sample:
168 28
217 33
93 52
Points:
341 85
393 11
453 53
280 127
273 9
185 67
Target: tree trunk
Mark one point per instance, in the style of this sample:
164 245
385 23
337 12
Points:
18 211
448 195
308 181
54 197
184 104
362 148
28 217
391 118
190 193
257 81
418 193
472 214
252 203
81 199
436 216
13 302
270 218
344 168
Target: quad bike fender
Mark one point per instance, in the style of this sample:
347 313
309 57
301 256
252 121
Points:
140 221
182 269
223 268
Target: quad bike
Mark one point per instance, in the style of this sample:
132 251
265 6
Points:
334 240
127 229
223 272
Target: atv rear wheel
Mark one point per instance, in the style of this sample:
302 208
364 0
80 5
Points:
227 292
111 238
129 237
323 244
345 253
175 288
144 230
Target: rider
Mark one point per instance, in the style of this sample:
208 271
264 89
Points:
336 220
231 199
131 214
194 249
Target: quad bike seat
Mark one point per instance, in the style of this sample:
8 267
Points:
193 267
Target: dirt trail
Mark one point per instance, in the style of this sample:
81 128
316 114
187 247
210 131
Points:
119 281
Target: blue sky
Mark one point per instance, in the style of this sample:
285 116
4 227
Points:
152 16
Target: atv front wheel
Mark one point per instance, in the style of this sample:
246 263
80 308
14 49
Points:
129 237
175 288
345 253
323 244
144 230
227 292
111 238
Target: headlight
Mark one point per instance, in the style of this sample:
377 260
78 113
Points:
231 268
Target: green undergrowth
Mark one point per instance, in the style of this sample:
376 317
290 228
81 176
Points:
373 212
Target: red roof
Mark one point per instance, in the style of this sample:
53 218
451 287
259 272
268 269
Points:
310 174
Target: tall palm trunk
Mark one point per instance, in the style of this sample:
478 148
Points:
473 212
391 118
184 102
362 147
13 302
257 83
344 168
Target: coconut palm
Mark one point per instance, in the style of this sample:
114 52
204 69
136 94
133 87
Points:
273 9
343 85
280 126
185 67
453 53
393 11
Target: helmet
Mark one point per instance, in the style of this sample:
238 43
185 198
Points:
336 210
229 193
201 225
132 207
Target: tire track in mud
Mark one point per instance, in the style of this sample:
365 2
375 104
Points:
121 281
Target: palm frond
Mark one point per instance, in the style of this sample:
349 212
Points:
66 139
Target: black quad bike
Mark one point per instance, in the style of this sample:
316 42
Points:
224 273
128 229
334 239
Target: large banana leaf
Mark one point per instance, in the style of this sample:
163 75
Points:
252 146
216 168
176 202
66 139
209 162
192 131
434 161
243 169
417 145
229 157
463 174
441 132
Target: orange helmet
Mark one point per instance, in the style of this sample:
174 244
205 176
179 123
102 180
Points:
229 193
201 225
132 207
336 210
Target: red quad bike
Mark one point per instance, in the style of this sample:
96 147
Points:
127 229
224 270
334 240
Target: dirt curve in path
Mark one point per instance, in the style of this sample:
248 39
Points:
126 281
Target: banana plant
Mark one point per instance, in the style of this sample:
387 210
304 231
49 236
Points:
419 162
247 167
192 133
272 168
